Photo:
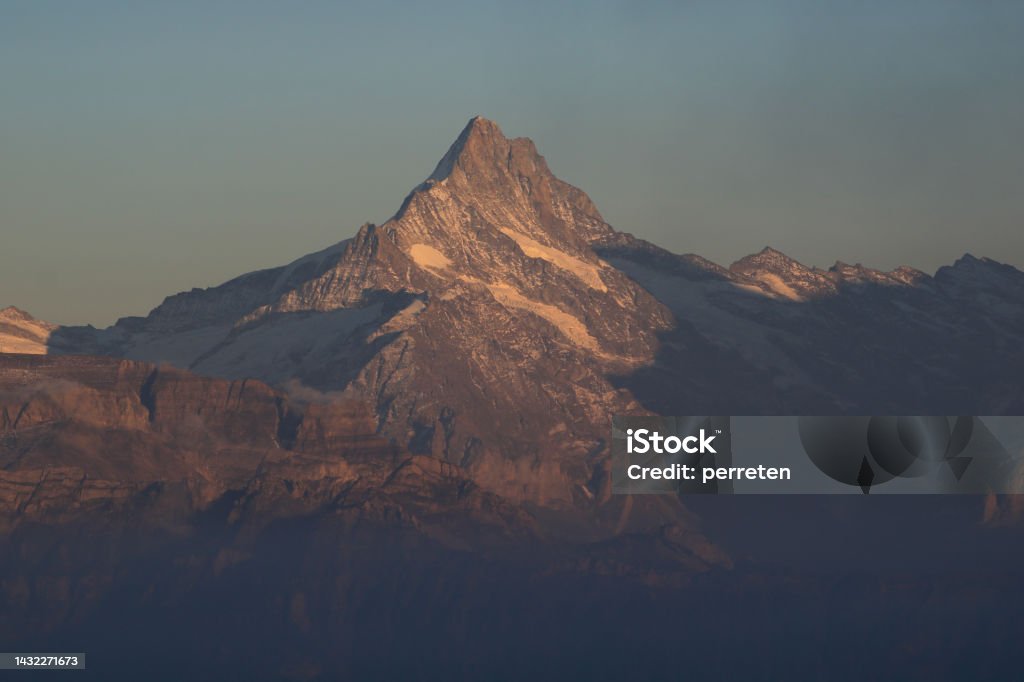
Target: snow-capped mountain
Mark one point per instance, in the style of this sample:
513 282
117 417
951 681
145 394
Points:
497 321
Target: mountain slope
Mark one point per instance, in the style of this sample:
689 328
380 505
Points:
849 339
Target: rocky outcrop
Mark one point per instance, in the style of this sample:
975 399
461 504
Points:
83 436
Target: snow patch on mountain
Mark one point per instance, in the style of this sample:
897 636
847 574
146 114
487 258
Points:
588 273
429 257
181 349
778 286
570 327
286 346
22 333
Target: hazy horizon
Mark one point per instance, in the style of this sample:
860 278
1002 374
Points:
152 149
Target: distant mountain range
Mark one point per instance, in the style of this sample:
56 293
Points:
497 321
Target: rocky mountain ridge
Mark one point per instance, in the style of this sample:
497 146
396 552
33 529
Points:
497 321
129 445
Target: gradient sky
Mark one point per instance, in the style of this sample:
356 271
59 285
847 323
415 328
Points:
146 148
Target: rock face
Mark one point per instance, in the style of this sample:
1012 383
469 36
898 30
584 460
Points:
206 506
496 322
84 435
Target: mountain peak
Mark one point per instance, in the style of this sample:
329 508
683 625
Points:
483 126
506 179
971 268
971 262
482 155
13 313
766 259
480 137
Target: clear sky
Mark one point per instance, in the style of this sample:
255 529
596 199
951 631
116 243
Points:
146 148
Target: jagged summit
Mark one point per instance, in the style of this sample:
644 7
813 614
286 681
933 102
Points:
482 148
787 277
480 137
766 259
783 276
970 273
969 261
13 313
484 163
486 178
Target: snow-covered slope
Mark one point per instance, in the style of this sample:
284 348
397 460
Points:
848 339
22 333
